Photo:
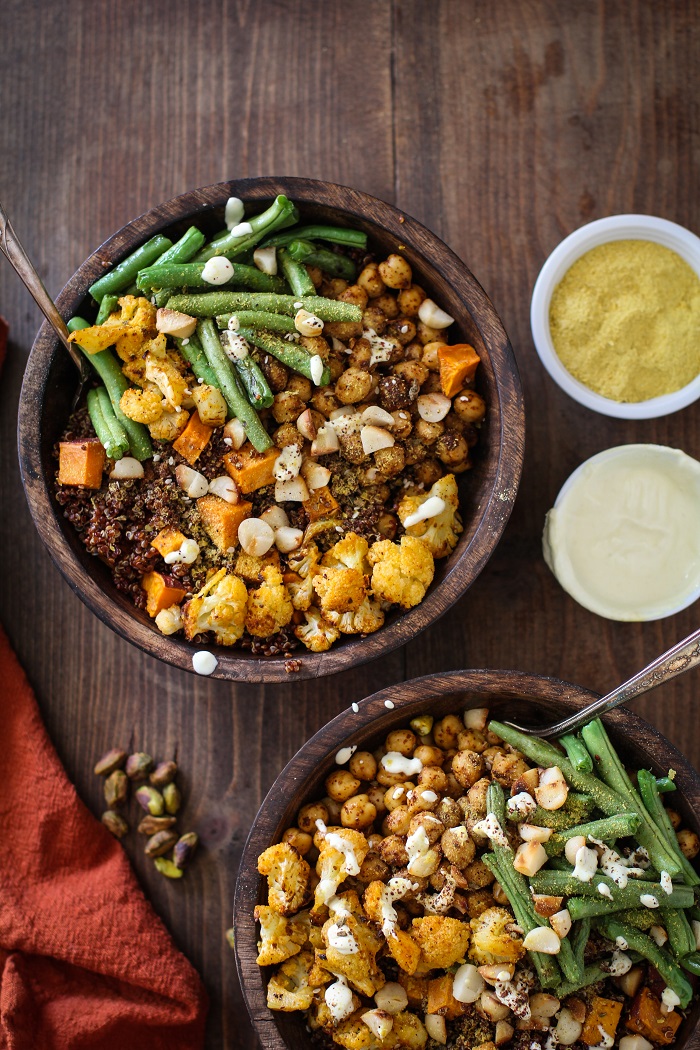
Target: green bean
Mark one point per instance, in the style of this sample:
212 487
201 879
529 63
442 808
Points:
189 275
290 354
691 963
119 279
580 936
641 918
109 430
578 756
210 304
664 784
649 791
296 274
331 263
606 830
258 319
253 382
107 306
276 216
694 913
681 939
663 962
558 883
197 360
575 810
76 324
334 234
107 367
230 386
610 769
184 249
592 973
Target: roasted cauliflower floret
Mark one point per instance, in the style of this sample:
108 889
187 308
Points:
211 404
137 311
220 607
353 1034
443 941
164 373
269 605
280 937
289 989
287 877
169 425
408 1032
342 852
359 967
368 618
300 591
494 938
350 553
341 590
143 406
305 561
440 531
402 573
316 633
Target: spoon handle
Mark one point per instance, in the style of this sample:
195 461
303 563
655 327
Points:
682 657
11 247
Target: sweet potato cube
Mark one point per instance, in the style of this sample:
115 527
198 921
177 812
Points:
404 950
193 439
441 1000
320 504
221 519
458 365
647 1019
161 592
603 1014
251 470
167 541
81 463
416 988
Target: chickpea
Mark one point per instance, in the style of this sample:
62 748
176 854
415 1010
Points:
315 274
343 330
402 740
426 334
363 765
334 288
397 795
388 305
325 401
453 450
674 817
375 793
414 371
309 814
301 386
434 778
471 740
370 281
373 869
390 779
476 798
275 373
402 425
300 840
457 846
478 875
422 799
396 822
316 344
449 813
402 330
374 318
355 295
409 300
341 785
454 788
393 851
387 525
390 461
353 449
353 386
507 768
432 385
429 432
358 813
396 272
469 406
477 903
688 842
361 354
428 472
374 841
287 407
413 352
429 755
287 434
467 767
499 894
333 807
434 829
447 730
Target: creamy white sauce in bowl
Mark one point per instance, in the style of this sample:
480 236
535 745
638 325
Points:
623 537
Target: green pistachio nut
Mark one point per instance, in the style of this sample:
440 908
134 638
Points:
116 789
151 800
110 761
167 868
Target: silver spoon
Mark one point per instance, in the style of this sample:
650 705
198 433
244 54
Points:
680 658
12 249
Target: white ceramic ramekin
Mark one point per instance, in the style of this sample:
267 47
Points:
614 228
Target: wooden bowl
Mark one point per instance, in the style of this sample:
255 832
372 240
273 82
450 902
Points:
486 493
508 695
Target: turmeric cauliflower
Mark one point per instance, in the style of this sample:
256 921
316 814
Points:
359 967
269 606
289 988
316 633
168 426
219 607
287 877
143 406
349 553
401 573
494 938
342 852
304 564
440 531
368 618
211 404
164 373
280 937
443 941
341 590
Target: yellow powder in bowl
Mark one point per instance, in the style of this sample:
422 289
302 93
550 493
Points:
625 320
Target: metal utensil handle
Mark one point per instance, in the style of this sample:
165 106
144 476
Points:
682 657
11 247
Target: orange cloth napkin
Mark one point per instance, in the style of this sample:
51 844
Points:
84 960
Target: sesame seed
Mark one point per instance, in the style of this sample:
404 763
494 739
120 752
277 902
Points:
355 707
390 704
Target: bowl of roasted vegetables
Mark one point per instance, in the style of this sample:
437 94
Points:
302 440
422 874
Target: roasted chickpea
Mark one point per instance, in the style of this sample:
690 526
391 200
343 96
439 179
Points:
300 840
469 406
432 385
414 371
429 432
396 822
449 813
478 875
287 434
402 330
476 798
389 779
336 367
396 796
429 755
395 272
492 752
343 330
468 767
471 740
275 373
390 461
325 401
395 392
446 731
355 295
413 352
453 450
477 903
457 846
454 788
371 282
393 851
402 740
688 842
353 449
301 386
402 425
353 385
309 814
363 765
388 304
428 472
375 794
426 334
315 274
387 525
674 817
431 825
333 807
341 785
374 841
422 798
358 813
499 894
333 288
409 300
361 354
375 319
316 344
434 778
507 768
287 407
373 868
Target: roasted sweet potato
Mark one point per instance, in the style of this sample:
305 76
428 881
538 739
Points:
162 592
251 470
441 1000
646 1018
81 463
320 504
167 541
405 950
603 1017
416 988
193 439
458 366
222 519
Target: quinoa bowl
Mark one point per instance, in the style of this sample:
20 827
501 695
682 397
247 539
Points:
486 492
472 1016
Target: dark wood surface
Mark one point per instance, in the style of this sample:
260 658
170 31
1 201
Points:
502 127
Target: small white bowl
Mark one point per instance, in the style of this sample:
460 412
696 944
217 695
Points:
614 228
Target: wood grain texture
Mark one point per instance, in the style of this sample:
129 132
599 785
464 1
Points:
500 127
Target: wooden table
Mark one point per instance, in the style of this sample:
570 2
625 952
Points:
500 126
